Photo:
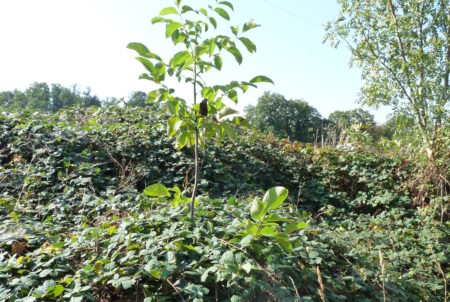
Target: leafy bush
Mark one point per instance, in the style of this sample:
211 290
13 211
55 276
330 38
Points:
75 224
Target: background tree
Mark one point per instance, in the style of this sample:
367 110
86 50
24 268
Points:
403 48
137 99
6 99
341 121
38 95
62 97
295 119
88 100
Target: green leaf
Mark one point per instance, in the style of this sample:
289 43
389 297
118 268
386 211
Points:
273 217
251 228
172 27
58 290
147 64
14 216
227 258
226 3
139 47
261 78
182 140
234 30
218 62
274 197
168 11
285 244
257 209
173 125
246 240
143 51
223 13
180 58
249 25
157 190
229 131
268 231
247 267
226 111
213 22
292 227
251 47
186 8
236 53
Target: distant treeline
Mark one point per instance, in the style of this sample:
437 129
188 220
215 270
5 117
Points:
51 98
273 113
298 120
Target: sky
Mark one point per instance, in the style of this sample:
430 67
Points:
84 42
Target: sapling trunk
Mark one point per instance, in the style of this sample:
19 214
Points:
194 190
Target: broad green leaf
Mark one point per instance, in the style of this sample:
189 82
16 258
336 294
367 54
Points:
182 140
232 95
145 76
236 53
251 228
58 290
251 47
155 273
226 111
139 47
268 231
285 244
234 30
246 240
180 58
274 197
249 25
168 11
227 258
229 131
203 12
213 22
173 125
223 13
157 190
186 8
14 216
247 267
261 78
273 217
257 209
147 64
292 227
171 27
143 51
226 3
218 62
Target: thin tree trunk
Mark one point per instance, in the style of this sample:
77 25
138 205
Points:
194 190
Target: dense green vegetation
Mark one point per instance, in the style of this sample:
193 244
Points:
77 226
97 203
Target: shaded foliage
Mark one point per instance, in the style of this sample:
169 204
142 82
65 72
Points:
75 225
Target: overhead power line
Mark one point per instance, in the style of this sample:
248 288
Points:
294 14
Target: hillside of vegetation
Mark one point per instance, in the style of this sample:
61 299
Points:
76 225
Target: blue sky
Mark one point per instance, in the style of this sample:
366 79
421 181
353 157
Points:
84 42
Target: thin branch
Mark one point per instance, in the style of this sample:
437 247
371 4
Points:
176 290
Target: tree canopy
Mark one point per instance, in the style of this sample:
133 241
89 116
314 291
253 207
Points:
294 119
403 49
